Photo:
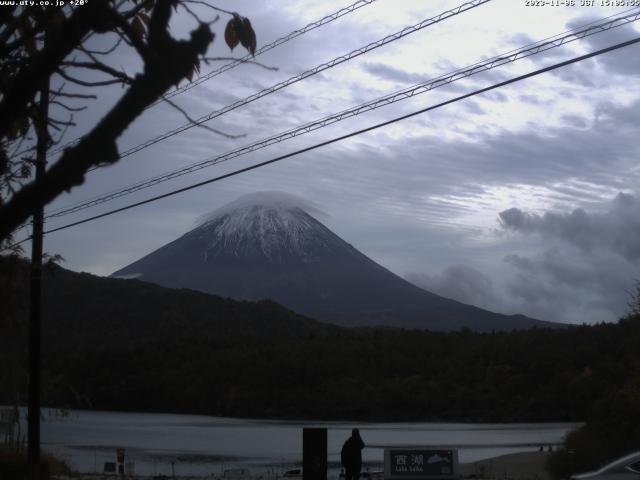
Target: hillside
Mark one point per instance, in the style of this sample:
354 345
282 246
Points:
124 344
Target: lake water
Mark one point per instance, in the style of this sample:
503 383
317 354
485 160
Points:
200 445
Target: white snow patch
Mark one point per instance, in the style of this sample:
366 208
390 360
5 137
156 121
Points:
127 276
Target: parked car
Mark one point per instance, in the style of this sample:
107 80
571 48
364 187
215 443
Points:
625 468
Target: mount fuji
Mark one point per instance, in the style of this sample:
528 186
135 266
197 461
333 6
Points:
268 245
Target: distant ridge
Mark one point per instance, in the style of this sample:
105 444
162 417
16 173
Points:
267 245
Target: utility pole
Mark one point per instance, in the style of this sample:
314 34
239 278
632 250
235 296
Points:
35 294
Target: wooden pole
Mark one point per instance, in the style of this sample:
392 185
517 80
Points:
35 296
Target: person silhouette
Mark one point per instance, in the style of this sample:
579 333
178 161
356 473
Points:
351 455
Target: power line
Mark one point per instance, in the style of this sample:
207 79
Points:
307 74
296 33
234 63
349 135
474 69
319 68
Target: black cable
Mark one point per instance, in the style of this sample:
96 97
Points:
349 135
238 61
442 80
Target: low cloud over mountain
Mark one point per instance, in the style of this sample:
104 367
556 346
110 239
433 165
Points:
586 261
616 230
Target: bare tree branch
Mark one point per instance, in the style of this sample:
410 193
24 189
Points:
69 123
61 41
134 11
252 62
76 95
212 7
16 151
195 123
96 65
60 93
131 38
62 134
67 107
77 81
103 52
172 62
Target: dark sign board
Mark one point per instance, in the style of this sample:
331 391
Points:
420 463
109 467
314 453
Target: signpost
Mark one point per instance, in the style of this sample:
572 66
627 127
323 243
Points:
314 453
120 458
420 463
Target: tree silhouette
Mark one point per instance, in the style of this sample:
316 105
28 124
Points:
42 43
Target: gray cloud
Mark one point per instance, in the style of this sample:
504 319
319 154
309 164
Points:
586 265
574 121
582 74
625 61
566 284
474 107
617 229
459 282
530 99
497 96
386 72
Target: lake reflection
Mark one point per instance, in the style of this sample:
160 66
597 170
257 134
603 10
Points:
200 445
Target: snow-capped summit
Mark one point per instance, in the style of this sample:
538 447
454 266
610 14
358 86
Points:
274 225
270 199
269 245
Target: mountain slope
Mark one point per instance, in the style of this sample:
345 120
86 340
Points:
267 246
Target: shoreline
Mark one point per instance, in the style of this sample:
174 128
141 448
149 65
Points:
63 411
512 466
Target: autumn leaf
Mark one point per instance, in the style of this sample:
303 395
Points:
24 28
137 27
145 18
239 30
248 37
230 35
57 17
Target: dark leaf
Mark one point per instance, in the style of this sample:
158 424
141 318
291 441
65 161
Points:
24 28
137 26
24 128
239 30
14 130
145 18
57 17
230 34
248 37
25 171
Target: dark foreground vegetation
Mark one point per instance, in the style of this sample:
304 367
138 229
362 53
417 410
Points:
126 345
13 465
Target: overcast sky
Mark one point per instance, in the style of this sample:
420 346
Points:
522 200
